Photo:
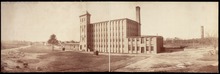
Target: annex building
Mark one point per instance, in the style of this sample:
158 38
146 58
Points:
117 36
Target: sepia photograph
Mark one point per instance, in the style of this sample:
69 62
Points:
109 37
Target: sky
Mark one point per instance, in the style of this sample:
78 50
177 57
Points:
36 21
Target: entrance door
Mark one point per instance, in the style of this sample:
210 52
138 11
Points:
142 49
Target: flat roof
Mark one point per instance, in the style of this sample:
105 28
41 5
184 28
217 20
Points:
114 20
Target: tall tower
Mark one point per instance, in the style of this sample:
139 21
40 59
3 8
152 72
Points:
202 32
138 19
84 31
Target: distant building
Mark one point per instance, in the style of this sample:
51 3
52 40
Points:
71 46
118 36
202 32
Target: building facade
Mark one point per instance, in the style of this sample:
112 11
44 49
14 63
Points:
117 36
71 46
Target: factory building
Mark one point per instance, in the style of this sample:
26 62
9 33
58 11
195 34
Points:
117 36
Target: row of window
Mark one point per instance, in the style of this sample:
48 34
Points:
138 49
117 46
103 26
106 40
104 29
133 39
82 27
106 35
82 19
118 22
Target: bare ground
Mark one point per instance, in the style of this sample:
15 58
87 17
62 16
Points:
189 60
43 59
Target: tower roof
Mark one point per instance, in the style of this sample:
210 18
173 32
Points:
85 13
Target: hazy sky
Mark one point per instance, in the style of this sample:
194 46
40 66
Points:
36 21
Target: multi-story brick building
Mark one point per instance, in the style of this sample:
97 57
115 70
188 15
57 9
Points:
117 36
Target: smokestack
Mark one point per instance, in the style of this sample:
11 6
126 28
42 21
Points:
138 19
202 32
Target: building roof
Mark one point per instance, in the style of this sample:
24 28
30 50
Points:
87 13
114 20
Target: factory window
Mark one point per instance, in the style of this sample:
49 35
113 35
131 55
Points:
133 48
152 48
146 48
137 48
142 49
142 40
137 39
128 39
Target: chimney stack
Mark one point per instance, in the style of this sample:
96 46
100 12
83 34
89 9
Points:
138 19
202 32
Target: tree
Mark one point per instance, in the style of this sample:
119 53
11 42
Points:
53 41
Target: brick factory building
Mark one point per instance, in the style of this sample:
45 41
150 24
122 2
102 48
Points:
118 36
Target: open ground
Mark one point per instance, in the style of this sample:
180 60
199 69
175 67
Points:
41 58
